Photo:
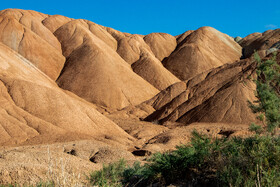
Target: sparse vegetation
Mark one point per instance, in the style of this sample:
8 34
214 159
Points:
268 92
252 161
41 184
110 175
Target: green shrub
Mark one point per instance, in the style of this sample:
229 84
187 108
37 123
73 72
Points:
252 161
135 175
256 128
191 161
110 175
233 162
268 91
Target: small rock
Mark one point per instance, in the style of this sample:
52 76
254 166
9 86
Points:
271 50
237 39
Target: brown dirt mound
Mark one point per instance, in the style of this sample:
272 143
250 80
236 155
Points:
151 69
55 21
221 95
217 95
24 32
35 110
161 44
203 49
107 79
144 57
180 38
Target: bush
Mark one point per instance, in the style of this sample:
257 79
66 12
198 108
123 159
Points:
110 175
191 162
234 162
253 161
268 91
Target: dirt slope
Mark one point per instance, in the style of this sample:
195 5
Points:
24 32
161 44
35 110
203 49
144 54
219 95
107 79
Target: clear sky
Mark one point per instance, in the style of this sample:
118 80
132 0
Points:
233 17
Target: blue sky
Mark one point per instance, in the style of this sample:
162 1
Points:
233 17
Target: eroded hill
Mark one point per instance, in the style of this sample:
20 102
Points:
92 94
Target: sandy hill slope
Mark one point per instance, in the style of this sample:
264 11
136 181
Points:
219 95
181 37
95 72
91 60
201 50
35 110
144 54
24 32
161 44
40 38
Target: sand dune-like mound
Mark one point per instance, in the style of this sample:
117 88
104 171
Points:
35 110
220 95
183 36
95 72
151 69
161 44
144 57
24 32
55 21
131 47
204 49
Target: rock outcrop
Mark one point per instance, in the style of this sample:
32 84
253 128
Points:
260 42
